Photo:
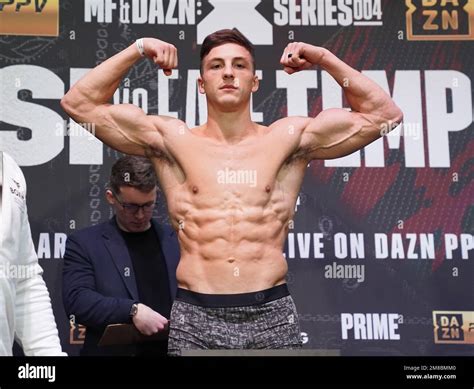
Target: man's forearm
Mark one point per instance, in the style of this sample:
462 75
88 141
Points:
363 94
99 85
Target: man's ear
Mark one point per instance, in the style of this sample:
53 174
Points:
109 196
201 85
256 83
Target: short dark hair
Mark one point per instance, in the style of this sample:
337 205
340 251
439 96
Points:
222 37
134 171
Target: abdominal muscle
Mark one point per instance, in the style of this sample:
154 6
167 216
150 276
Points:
231 240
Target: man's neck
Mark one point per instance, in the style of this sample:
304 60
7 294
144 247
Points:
229 127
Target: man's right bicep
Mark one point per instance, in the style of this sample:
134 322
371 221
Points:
124 127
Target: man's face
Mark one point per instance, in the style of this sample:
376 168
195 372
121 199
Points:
228 77
126 204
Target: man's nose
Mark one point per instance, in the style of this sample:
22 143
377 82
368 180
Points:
140 213
228 71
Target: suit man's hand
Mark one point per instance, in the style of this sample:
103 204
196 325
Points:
162 53
149 322
299 56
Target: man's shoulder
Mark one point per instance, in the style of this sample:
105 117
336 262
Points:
95 231
169 124
12 169
289 125
7 158
13 178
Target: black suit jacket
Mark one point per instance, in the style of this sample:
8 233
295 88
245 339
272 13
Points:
99 285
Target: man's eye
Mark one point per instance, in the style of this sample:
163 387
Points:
240 65
216 66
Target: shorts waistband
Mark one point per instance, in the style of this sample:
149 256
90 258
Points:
232 300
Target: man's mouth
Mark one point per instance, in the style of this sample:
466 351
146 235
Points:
229 86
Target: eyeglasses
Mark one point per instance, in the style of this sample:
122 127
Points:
132 209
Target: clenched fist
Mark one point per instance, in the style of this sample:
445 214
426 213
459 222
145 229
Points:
299 56
163 54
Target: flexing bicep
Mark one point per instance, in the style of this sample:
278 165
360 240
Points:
335 133
125 127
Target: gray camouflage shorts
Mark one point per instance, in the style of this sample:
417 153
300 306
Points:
265 319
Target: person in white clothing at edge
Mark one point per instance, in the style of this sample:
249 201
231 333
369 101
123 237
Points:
25 306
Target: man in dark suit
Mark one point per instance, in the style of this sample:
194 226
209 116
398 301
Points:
123 270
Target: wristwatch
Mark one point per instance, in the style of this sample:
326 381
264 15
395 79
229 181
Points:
133 310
